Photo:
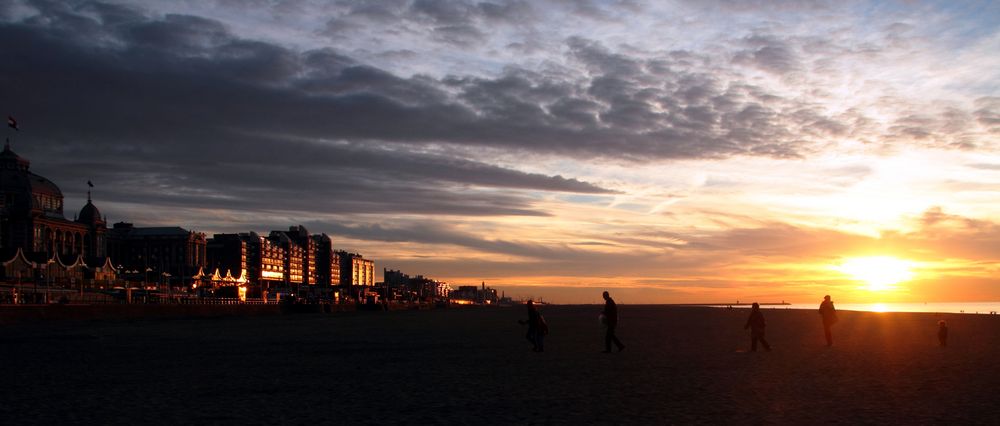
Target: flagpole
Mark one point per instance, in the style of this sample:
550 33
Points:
11 124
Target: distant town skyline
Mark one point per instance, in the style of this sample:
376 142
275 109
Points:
669 152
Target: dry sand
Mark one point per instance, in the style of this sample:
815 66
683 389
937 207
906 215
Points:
462 366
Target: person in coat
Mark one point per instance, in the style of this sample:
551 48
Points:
829 314
756 324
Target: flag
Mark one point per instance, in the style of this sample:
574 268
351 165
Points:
90 184
12 123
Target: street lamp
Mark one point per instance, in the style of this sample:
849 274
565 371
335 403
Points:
145 278
166 278
128 285
48 274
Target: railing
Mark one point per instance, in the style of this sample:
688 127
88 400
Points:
32 295
218 301
35 294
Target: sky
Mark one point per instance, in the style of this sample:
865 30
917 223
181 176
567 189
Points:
666 151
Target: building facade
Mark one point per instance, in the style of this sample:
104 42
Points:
36 241
355 270
265 262
293 258
227 253
169 255
32 220
402 286
327 262
473 294
300 236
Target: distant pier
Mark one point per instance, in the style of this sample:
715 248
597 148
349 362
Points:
730 304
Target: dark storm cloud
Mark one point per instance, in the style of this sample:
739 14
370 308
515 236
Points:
457 23
599 60
377 10
459 35
177 78
757 6
513 12
444 12
768 53
176 34
435 233
176 96
600 10
338 178
162 104
404 54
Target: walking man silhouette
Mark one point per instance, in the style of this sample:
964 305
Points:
756 325
611 322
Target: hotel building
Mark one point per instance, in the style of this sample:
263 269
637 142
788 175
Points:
31 218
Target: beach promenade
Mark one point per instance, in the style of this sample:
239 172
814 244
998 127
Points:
682 365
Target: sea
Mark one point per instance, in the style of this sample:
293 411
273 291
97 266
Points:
942 307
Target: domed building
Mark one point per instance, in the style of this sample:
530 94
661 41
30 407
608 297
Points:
94 244
31 218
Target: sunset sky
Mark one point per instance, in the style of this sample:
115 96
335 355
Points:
670 152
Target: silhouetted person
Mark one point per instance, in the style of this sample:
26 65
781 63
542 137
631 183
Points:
756 325
536 328
610 313
943 333
829 314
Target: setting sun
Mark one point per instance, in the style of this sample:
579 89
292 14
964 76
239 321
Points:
880 273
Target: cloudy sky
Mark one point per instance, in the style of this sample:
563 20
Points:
679 151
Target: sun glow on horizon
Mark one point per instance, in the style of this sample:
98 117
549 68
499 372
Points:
879 307
880 273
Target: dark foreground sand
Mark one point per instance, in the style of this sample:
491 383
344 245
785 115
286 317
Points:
469 366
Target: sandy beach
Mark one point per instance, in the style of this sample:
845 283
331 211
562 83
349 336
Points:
462 366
